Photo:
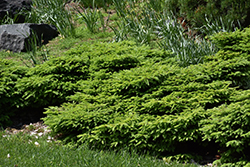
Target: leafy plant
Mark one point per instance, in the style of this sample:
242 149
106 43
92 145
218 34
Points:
121 32
52 81
46 11
197 12
218 25
188 49
7 19
37 53
98 3
116 95
233 41
92 17
148 23
137 20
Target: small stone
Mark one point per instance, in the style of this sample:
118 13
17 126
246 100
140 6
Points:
37 144
32 133
40 134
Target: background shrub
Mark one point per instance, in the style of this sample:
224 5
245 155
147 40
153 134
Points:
196 11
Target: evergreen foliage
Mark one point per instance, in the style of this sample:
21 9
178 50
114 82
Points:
10 74
51 82
159 106
118 95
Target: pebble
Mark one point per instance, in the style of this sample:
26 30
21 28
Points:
37 130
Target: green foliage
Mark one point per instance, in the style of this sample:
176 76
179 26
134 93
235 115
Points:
9 19
51 82
137 107
196 12
95 3
40 86
150 23
185 158
229 126
37 53
237 41
139 98
92 17
188 49
118 95
27 150
47 11
10 74
234 45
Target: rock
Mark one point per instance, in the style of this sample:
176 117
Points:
15 37
12 8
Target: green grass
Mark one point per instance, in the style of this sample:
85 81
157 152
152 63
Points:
20 150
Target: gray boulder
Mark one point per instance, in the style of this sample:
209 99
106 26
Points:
16 37
14 8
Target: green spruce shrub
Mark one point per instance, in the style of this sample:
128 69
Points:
237 41
229 125
142 99
10 74
51 82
